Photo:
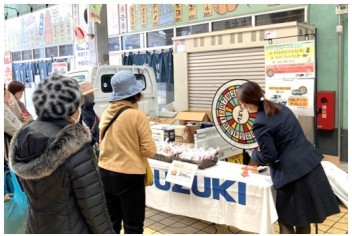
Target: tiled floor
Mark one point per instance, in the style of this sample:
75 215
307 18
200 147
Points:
158 222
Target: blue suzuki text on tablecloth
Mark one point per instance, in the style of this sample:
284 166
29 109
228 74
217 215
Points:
212 188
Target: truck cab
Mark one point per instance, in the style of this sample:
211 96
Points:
100 77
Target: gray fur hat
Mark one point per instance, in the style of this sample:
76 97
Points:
57 97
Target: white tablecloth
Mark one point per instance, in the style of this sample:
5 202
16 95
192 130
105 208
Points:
219 194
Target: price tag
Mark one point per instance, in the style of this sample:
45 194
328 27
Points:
181 173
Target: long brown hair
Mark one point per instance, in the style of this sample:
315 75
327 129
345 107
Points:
251 93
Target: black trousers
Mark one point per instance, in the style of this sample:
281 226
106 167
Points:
125 198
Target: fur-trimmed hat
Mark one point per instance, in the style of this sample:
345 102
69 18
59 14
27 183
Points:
57 97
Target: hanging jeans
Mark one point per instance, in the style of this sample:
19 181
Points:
125 200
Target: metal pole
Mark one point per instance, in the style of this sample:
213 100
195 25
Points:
339 88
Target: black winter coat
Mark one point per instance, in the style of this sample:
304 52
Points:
55 164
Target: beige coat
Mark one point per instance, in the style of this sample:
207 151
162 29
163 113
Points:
128 141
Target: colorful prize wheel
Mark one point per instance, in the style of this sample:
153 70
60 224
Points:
233 123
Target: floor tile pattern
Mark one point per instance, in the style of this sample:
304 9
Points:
158 222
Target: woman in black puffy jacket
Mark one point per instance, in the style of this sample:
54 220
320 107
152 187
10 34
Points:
54 161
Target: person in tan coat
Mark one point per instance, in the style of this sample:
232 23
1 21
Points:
123 154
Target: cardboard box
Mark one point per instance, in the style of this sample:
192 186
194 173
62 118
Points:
186 116
162 120
333 159
191 129
181 134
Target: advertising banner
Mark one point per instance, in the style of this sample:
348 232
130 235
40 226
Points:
47 27
290 75
296 94
290 60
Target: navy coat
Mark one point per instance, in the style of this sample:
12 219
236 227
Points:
283 146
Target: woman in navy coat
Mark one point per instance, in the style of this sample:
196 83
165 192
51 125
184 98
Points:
304 194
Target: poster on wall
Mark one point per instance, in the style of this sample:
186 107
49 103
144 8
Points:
112 12
82 56
42 28
296 94
290 75
7 57
155 14
94 13
180 46
123 18
144 15
207 10
59 68
133 17
8 73
290 60
192 11
178 12
166 14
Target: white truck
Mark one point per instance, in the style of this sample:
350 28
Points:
100 78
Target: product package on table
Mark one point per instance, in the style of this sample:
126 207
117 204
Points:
202 157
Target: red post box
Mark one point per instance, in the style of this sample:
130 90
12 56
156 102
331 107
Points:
326 110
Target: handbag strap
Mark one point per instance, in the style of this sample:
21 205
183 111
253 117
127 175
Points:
113 119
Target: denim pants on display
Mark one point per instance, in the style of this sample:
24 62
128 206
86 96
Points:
125 200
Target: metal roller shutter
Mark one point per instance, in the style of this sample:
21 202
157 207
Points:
207 71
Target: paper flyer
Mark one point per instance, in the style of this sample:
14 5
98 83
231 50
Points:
181 173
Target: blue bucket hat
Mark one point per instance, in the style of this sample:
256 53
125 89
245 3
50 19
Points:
124 84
